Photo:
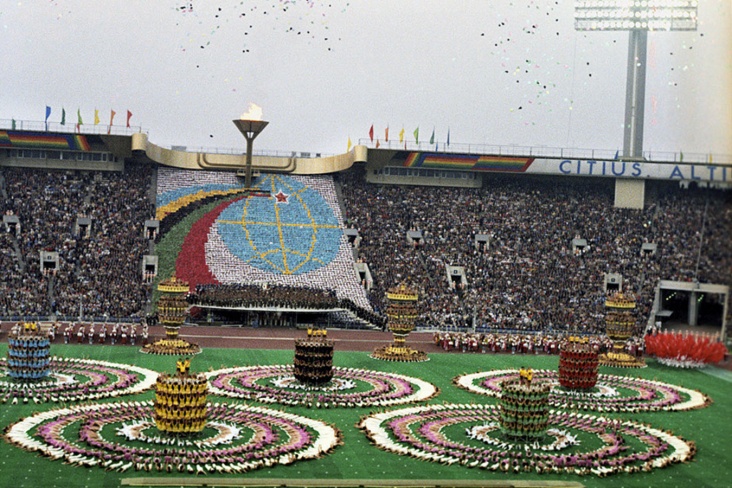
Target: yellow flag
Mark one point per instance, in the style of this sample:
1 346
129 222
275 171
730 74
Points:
401 135
96 117
349 144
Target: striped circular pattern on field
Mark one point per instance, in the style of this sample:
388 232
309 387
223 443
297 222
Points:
73 379
241 438
612 393
274 384
595 445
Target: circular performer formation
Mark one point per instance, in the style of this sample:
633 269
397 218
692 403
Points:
123 436
470 435
71 380
349 387
611 394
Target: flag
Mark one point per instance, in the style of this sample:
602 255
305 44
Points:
371 133
378 144
112 113
348 148
617 154
386 134
416 135
681 157
432 137
12 124
711 159
401 135
129 116
448 136
78 117
48 114
96 117
63 116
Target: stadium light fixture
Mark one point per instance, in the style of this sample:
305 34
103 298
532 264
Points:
638 17
648 15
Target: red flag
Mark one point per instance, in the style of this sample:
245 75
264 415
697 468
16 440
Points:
371 133
129 116
386 134
378 144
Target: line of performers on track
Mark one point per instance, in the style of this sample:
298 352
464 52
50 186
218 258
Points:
516 343
131 334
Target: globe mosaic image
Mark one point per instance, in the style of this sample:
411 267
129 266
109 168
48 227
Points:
291 231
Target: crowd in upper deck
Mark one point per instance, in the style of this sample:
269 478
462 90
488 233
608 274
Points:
529 276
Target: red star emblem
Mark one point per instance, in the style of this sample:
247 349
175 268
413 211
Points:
281 197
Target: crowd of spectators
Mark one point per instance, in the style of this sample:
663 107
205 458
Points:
259 296
242 295
21 292
529 277
98 272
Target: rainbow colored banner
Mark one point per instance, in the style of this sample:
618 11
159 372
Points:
74 142
467 162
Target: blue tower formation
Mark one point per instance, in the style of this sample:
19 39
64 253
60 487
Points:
28 354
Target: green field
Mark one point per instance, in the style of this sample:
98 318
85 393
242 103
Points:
357 459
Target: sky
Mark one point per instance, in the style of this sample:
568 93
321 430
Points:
492 72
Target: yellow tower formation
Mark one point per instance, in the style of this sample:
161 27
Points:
172 312
402 314
620 326
181 401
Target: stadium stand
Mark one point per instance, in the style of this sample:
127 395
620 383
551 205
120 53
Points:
527 278
98 273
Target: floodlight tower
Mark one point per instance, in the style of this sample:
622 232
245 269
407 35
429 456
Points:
638 17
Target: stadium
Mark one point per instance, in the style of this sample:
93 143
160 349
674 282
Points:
406 313
508 254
